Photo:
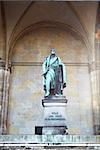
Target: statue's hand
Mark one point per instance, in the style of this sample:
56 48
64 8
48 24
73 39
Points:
44 75
64 85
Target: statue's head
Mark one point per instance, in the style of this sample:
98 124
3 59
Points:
53 51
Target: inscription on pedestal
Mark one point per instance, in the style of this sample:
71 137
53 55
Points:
55 116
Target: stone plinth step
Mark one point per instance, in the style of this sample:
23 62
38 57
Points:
54 101
47 140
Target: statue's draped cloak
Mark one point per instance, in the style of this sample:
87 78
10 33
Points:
48 68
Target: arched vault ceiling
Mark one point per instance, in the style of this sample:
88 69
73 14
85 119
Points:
86 12
20 15
13 11
39 11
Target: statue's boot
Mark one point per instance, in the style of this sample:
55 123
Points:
47 94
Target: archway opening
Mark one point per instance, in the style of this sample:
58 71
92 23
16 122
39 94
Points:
26 91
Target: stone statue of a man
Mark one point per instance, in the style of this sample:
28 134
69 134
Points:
54 75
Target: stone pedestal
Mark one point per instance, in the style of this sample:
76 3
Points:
54 115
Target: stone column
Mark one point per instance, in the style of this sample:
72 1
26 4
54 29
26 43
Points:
2 60
4 102
95 80
1 89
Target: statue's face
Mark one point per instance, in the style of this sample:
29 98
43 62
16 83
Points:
53 51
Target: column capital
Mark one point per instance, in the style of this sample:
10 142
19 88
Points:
95 65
